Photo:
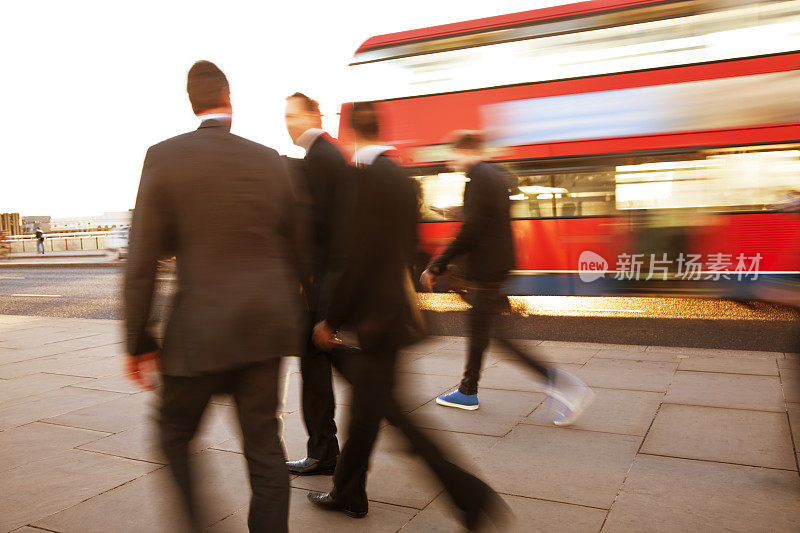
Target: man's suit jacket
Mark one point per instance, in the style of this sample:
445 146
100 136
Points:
331 191
372 294
485 236
225 207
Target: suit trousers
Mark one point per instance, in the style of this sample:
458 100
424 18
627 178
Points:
255 391
372 375
318 404
488 302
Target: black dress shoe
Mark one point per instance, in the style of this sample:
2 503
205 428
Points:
310 466
327 502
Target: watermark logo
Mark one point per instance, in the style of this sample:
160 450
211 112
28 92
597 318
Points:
712 267
591 266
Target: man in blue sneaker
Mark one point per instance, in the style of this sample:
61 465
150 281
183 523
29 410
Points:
486 242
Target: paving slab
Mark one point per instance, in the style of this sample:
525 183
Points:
731 365
123 412
34 384
107 350
53 364
793 410
304 517
664 494
433 343
49 404
142 442
713 352
441 363
558 354
790 381
95 367
500 411
36 490
37 441
530 516
789 363
565 465
151 502
594 346
89 341
514 375
15 355
754 438
612 411
762 393
630 375
639 355
415 390
113 383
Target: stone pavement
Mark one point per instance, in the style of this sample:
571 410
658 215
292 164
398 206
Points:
678 439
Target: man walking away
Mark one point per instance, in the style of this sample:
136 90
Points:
486 241
224 207
375 296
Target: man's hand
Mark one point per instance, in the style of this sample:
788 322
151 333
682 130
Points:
324 336
426 280
141 369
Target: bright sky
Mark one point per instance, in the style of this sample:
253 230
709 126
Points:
88 86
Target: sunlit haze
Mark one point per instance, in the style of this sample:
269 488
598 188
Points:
88 86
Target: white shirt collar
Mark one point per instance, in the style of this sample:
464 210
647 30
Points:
308 137
366 154
223 117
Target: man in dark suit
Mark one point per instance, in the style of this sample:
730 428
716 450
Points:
225 207
327 181
375 296
485 240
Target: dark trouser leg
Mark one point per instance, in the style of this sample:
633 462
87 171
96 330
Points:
318 404
374 402
466 490
372 378
480 319
183 401
255 390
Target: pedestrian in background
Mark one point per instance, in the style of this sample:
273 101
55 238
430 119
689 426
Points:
486 241
39 241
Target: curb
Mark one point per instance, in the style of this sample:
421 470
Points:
39 257
62 264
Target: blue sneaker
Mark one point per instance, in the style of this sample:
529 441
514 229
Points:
461 401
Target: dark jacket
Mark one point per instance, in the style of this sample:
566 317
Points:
330 189
39 235
485 236
225 207
372 294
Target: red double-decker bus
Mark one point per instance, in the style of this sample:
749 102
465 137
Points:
654 145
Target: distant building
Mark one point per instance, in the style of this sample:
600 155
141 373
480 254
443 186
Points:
29 224
10 223
106 221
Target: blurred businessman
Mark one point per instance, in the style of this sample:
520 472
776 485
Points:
327 180
224 206
375 297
